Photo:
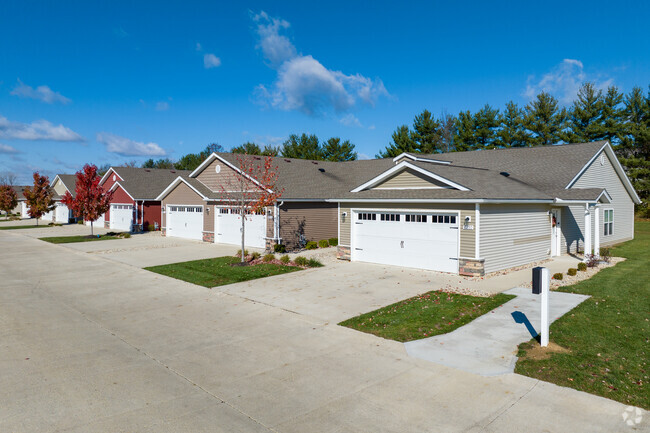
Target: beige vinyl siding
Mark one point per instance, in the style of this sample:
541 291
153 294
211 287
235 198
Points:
514 235
345 221
467 237
182 195
316 220
208 217
218 182
409 179
59 187
605 176
573 222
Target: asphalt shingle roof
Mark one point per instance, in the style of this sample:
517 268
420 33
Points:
147 183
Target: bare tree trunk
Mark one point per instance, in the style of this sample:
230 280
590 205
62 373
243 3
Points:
243 231
91 228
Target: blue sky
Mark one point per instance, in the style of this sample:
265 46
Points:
108 82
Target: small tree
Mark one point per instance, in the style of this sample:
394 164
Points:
90 200
251 189
39 197
8 199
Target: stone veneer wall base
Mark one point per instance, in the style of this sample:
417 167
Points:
471 267
343 253
208 237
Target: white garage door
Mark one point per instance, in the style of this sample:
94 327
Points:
48 216
62 213
414 240
98 223
185 222
121 217
24 210
228 228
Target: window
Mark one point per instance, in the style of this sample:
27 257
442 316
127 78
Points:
443 219
416 218
608 222
368 216
389 217
223 210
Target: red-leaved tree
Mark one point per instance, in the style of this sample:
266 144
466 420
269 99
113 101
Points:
39 197
251 189
8 199
90 200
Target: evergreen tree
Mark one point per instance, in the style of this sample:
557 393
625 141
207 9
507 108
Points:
248 148
426 132
611 119
402 142
447 132
511 131
636 139
465 137
302 147
544 120
270 150
486 122
335 150
584 119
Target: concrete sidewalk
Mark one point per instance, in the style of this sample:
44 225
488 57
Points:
488 345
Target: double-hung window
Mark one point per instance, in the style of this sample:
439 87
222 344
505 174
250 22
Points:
608 222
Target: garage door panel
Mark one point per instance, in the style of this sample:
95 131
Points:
228 228
121 217
185 222
407 239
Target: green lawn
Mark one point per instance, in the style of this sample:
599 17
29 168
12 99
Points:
74 239
218 272
608 335
24 227
423 316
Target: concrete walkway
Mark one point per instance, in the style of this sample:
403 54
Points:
488 345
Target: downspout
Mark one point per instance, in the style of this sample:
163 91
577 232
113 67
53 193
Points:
136 215
276 228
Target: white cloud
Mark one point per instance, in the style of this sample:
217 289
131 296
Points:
199 47
162 106
41 93
5 148
350 120
211 61
37 130
303 83
126 147
563 81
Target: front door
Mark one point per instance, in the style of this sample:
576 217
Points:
556 232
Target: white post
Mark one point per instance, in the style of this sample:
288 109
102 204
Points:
597 229
544 328
588 249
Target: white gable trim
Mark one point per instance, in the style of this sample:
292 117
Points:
116 184
60 180
617 166
403 166
173 185
106 175
417 158
214 156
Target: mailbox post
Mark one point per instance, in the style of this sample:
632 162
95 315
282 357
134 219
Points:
541 286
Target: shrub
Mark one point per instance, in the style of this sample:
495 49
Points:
333 242
558 276
127 235
279 248
592 261
268 258
313 263
255 256
285 259
301 261
323 243
311 245
80 222
582 266
572 271
239 253
151 228
605 254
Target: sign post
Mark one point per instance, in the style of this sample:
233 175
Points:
541 286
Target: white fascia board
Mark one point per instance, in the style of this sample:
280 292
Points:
54 181
116 184
403 166
204 164
214 156
417 158
617 166
440 200
173 185
106 175
606 195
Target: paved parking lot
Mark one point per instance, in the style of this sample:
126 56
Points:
90 344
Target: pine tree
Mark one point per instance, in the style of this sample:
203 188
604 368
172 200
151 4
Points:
302 147
426 133
486 122
544 120
270 150
585 117
465 137
511 131
335 150
402 142
636 138
611 119
247 148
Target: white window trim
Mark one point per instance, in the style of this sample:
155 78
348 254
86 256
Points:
611 232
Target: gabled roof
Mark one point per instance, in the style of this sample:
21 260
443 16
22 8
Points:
146 183
69 181
19 189
199 188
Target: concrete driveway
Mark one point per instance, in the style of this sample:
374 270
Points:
89 344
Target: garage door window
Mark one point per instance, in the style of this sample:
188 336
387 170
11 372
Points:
389 217
368 216
443 219
416 218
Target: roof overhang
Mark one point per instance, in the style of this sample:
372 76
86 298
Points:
403 166
214 156
447 200
174 184
57 177
417 158
107 174
607 148
603 197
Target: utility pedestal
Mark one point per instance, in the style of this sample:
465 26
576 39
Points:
541 286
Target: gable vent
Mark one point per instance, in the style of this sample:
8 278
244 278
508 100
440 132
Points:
505 173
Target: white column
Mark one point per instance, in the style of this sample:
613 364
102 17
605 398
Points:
477 231
597 227
588 249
